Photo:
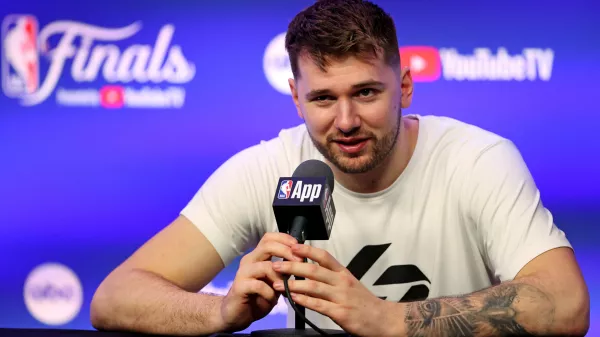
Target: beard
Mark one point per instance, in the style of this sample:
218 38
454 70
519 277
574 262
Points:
371 156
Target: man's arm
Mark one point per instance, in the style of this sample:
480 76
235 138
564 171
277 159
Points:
543 291
156 289
547 298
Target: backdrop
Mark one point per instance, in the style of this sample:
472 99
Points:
113 113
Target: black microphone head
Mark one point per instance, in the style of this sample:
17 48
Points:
303 203
315 168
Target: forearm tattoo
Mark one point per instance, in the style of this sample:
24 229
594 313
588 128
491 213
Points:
511 309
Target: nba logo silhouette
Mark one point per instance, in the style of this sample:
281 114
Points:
285 189
20 57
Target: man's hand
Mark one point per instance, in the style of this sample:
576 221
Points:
333 291
251 296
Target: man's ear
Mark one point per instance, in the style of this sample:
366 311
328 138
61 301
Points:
406 85
294 90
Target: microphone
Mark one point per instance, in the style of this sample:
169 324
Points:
304 208
305 198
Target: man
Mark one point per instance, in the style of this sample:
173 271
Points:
439 230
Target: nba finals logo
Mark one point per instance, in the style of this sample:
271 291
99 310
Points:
97 55
285 189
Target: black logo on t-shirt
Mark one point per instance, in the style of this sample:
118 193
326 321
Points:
398 274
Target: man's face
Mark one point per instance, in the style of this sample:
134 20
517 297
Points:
352 110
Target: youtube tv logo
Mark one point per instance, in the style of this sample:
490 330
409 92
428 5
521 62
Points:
424 62
431 64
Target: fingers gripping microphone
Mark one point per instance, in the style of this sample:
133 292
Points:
303 199
304 208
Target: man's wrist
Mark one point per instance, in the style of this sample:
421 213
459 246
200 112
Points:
215 320
393 322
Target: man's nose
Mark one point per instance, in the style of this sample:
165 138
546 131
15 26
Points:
346 118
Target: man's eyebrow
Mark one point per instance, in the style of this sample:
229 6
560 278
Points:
366 84
316 93
371 83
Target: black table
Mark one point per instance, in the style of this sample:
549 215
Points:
10 332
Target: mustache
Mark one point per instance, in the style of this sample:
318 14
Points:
354 133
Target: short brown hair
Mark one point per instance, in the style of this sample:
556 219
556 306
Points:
331 29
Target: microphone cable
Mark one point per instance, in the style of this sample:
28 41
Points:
298 313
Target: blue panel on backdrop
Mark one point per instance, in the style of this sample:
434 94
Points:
113 113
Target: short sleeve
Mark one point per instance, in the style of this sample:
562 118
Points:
505 205
229 208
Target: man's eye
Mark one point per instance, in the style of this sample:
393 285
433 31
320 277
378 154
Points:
366 92
321 98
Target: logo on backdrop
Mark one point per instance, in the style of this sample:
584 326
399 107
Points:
53 294
424 63
138 75
276 64
429 64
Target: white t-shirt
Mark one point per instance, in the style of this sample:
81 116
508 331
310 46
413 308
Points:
465 213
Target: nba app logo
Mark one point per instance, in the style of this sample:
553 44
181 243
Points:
285 189
20 57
